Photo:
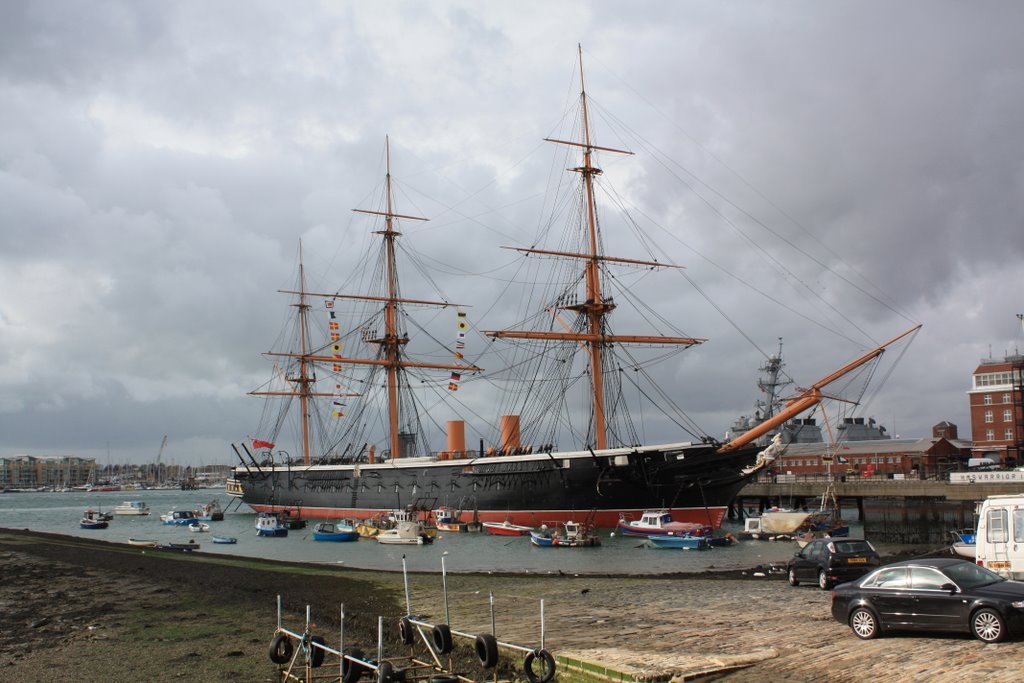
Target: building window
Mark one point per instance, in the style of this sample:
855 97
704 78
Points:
988 416
1007 416
987 400
990 435
994 379
1008 435
1006 398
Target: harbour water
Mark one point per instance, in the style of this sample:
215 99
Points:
464 552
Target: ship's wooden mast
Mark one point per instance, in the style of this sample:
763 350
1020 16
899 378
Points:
304 377
810 397
596 307
391 343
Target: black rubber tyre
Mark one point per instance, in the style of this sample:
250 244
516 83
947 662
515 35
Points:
385 672
351 671
988 626
487 650
281 649
864 623
406 631
539 666
316 655
824 583
442 637
793 581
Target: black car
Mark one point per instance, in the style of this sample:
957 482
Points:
829 561
937 594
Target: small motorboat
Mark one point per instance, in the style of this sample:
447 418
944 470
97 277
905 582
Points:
329 531
660 523
225 540
143 542
506 528
91 519
405 533
131 507
446 519
571 535
209 512
681 542
198 527
290 520
178 517
269 524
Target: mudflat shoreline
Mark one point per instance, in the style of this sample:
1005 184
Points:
82 610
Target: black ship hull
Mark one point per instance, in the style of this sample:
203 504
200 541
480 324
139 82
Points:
693 481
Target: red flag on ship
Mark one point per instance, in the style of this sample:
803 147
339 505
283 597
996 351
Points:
257 443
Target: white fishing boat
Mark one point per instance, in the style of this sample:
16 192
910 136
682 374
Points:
269 524
131 507
404 533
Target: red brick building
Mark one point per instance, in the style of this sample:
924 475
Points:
997 419
927 458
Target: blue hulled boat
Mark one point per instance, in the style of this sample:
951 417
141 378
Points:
329 531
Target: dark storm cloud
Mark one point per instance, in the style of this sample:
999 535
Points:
160 161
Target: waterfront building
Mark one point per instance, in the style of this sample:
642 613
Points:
997 420
32 472
923 458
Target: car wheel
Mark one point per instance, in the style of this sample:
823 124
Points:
823 581
793 581
864 623
988 626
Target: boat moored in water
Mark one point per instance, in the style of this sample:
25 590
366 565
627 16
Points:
404 533
93 519
506 528
224 540
329 531
660 523
178 517
209 512
131 507
269 524
683 542
570 535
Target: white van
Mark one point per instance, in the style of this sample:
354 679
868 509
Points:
1000 538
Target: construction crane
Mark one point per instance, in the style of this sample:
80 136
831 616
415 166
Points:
156 469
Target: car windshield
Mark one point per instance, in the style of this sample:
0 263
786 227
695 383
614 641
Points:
853 547
970 575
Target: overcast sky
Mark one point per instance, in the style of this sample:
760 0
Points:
159 163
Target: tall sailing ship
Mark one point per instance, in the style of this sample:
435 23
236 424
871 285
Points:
342 473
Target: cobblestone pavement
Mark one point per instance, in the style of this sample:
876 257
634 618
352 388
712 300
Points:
736 630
